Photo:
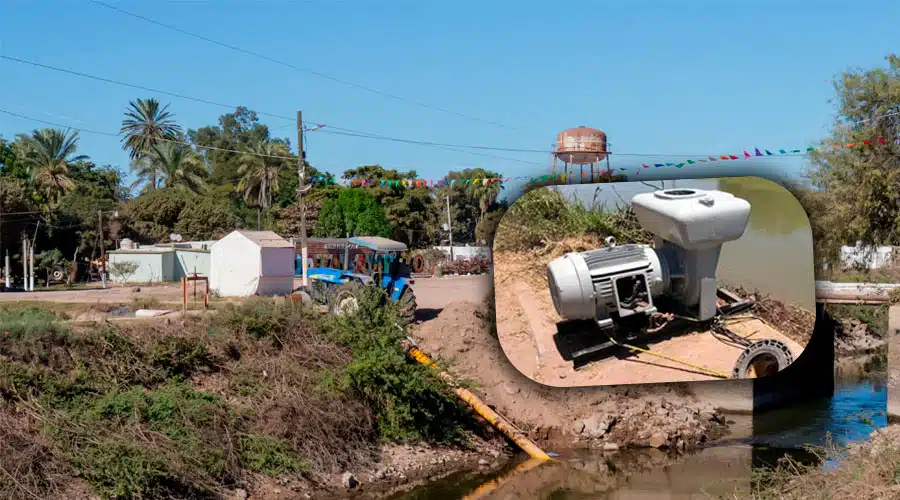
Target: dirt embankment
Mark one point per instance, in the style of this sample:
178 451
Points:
527 325
264 401
584 417
864 470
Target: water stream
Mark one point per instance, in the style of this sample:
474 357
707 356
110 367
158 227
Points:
856 408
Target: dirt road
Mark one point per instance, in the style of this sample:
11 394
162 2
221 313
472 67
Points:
432 294
526 325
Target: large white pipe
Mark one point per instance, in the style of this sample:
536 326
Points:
31 270
25 264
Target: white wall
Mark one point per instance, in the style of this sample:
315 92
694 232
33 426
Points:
153 267
467 252
871 258
234 267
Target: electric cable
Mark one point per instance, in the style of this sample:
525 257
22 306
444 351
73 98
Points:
298 68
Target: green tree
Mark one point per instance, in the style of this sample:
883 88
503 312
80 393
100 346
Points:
47 155
73 224
146 125
260 168
51 260
330 223
210 218
178 166
236 131
860 186
14 197
9 167
409 209
354 212
152 216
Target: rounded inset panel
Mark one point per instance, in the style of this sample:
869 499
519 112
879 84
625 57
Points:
631 283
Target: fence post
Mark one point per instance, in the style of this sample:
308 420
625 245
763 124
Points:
183 296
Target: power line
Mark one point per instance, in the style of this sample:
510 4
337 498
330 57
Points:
351 133
134 86
174 141
346 131
292 158
297 68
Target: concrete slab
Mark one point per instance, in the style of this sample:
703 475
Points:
150 313
893 404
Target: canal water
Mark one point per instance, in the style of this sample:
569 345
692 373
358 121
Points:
775 253
851 415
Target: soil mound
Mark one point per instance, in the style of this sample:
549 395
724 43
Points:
584 417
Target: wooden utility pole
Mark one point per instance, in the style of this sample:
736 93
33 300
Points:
102 248
450 228
301 190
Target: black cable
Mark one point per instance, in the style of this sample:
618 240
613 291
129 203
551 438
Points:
297 68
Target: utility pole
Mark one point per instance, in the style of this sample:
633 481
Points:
450 228
301 190
102 248
6 277
24 261
31 259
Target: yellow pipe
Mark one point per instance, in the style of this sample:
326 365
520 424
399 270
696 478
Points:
495 419
492 485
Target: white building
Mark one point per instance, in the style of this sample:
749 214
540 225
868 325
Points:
246 263
867 257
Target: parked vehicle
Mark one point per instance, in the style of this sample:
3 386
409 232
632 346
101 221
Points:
340 289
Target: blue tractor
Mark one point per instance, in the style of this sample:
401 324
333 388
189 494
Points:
340 289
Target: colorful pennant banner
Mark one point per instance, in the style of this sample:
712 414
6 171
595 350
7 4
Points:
422 183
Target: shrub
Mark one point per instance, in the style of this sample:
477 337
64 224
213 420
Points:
544 215
410 401
29 322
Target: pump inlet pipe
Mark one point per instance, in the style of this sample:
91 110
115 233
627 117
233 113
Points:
495 419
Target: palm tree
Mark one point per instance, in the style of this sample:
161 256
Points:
485 193
47 155
260 166
146 125
178 166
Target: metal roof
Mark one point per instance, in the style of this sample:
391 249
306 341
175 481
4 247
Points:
378 243
266 239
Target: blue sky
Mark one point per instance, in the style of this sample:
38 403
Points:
694 77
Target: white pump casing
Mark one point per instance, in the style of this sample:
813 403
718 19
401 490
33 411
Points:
690 226
694 223
692 219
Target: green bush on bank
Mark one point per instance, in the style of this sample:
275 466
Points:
544 215
128 408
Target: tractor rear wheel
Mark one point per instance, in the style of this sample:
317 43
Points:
407 303
346 299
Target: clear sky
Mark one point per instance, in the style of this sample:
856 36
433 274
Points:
692 77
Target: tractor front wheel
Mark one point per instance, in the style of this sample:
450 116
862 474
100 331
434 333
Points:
346 299
407 303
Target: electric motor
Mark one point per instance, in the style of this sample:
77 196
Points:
689 225
597 283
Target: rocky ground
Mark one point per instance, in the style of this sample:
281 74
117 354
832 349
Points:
399 468
855 337
668 416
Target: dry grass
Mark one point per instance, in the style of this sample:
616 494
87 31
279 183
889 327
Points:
29 467
794 322
185 411
870 471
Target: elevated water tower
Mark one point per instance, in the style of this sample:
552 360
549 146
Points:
580 146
